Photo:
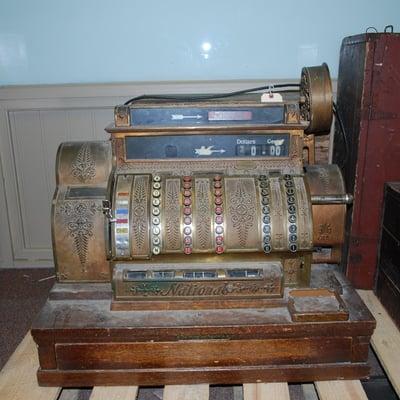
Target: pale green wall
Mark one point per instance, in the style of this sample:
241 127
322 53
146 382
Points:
54 41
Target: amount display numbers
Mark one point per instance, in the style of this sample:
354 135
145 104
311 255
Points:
254 150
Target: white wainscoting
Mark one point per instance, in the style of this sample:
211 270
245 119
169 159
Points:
34 120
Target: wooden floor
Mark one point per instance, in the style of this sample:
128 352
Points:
18 377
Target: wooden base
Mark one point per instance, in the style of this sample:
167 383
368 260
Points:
82 342
217 375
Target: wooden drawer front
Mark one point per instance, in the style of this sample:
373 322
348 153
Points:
202 353
390 256
389 295
391 216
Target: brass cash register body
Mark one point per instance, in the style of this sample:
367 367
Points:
202 206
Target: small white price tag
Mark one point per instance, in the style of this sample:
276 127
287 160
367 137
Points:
271 98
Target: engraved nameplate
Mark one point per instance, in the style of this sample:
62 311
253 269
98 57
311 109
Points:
197 281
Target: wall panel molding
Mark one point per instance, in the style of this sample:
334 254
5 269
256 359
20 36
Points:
34 120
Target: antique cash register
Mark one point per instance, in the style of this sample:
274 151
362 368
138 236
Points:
200 244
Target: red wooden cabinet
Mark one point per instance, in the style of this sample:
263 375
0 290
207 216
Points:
368 99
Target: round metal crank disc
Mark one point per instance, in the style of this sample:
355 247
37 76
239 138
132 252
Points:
316 98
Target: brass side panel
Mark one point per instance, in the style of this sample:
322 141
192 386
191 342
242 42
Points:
83 171
203 215
172 224
140 217
242 213
79 242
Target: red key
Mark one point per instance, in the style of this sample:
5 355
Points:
188 250
218 210
219 250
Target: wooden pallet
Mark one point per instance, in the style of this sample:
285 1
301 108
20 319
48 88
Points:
18 377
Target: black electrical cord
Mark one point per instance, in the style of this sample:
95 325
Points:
344 136
213 96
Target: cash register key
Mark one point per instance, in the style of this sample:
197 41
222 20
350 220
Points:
219 229
156 211
156 178
156 193
267 239
156 185
187 240
217 184
264 192
218 201
156 221
218 192
156 230
218 210
267 248
187 185
187 178
156 250
187 201
219 249
266 219
187 193
187 220
217 178
187 250
289 183
187 210
156 202
187 230
266 209
293 248
292 209
219 219
219 240
290 200
292 228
